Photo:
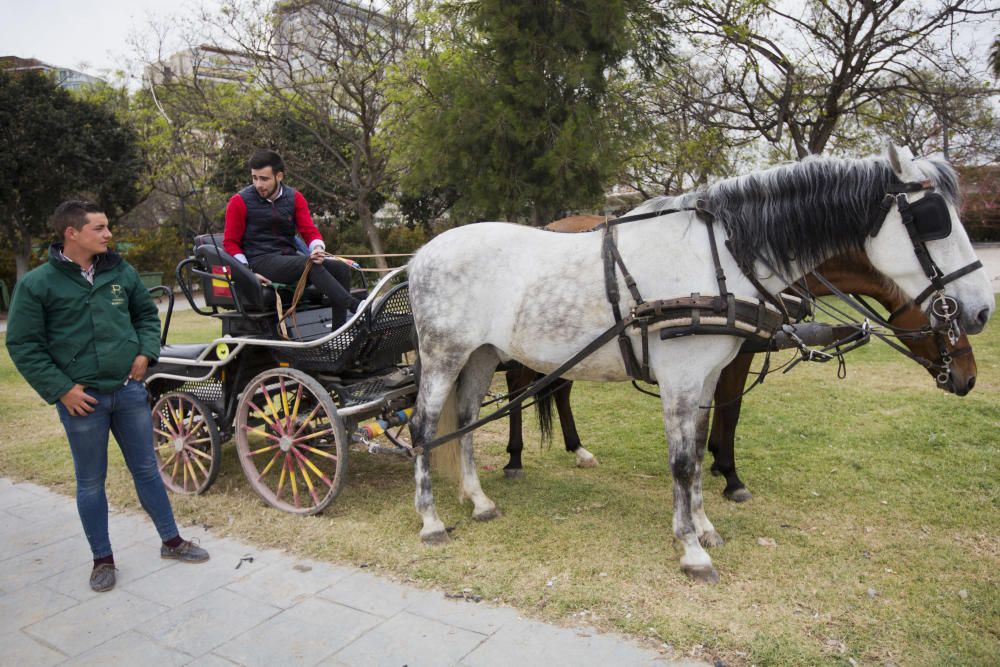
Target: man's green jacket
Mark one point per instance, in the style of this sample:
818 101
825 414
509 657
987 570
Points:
61 330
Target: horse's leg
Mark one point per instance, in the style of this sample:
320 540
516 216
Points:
722 440
690 371
473 382
584 459
435 391
517 379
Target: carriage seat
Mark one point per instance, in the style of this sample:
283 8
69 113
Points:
253 296
183 351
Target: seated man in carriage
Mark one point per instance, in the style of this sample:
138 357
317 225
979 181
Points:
262 221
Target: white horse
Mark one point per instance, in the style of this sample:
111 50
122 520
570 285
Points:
492 292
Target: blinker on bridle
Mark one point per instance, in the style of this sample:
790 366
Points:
928 219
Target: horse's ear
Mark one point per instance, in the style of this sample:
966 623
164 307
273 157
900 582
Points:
901 160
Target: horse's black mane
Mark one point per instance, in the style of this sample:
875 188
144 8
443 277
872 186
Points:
807 211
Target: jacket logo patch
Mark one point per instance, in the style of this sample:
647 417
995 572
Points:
117 295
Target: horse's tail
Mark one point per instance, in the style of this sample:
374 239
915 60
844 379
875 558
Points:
543 405
446 457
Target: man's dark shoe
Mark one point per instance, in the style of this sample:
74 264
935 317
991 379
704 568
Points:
102 578
186 552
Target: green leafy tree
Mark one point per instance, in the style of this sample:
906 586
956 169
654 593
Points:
510 103
55 146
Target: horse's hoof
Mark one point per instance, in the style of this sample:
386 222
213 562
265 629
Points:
435 538
706 574
513 473
715 471
711 539
488 515
587 463
740 495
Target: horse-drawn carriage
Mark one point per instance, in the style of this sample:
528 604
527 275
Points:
291 394
574 308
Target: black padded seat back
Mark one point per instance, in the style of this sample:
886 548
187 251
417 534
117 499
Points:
253 296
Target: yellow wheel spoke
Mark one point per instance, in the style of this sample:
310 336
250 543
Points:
318 451
167 462
317 434
298 400
284 395
308 480
306 421
281 479
198 452
274 410
255 452
316 471
200 465
258 412
269 465
295 481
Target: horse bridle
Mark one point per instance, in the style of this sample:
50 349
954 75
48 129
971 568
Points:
928 219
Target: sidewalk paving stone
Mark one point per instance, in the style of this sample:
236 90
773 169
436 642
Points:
532 643
130 648
30 605
302 635
91 623
414 641
16 494
133 564
180 582
284 584
20 649
372 594
477 617
208 621
32 566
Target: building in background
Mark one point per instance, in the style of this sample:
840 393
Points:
70 79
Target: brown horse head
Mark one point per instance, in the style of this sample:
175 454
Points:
853 273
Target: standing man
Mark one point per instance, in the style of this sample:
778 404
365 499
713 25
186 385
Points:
262 220
81 330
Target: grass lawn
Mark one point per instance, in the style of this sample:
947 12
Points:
878 496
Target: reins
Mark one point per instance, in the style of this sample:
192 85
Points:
300 288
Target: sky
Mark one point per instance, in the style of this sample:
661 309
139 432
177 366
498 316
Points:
93 35
87 35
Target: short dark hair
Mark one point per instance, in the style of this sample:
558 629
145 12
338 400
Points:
267 158
72 213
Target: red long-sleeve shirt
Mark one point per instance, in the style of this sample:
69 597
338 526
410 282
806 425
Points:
236 223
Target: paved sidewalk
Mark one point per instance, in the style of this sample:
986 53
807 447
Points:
246 606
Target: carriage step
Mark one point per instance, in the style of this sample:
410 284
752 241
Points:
374 388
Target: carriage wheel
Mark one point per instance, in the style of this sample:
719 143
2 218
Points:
291 441
187 443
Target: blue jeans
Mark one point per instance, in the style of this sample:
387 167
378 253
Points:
126 413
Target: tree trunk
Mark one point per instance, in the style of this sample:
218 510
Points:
22 257
368 223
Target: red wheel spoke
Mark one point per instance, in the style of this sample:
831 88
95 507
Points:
272 422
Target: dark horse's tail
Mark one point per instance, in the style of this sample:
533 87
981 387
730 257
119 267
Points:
543 405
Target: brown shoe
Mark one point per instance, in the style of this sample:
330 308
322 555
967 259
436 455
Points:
102 578
186 552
